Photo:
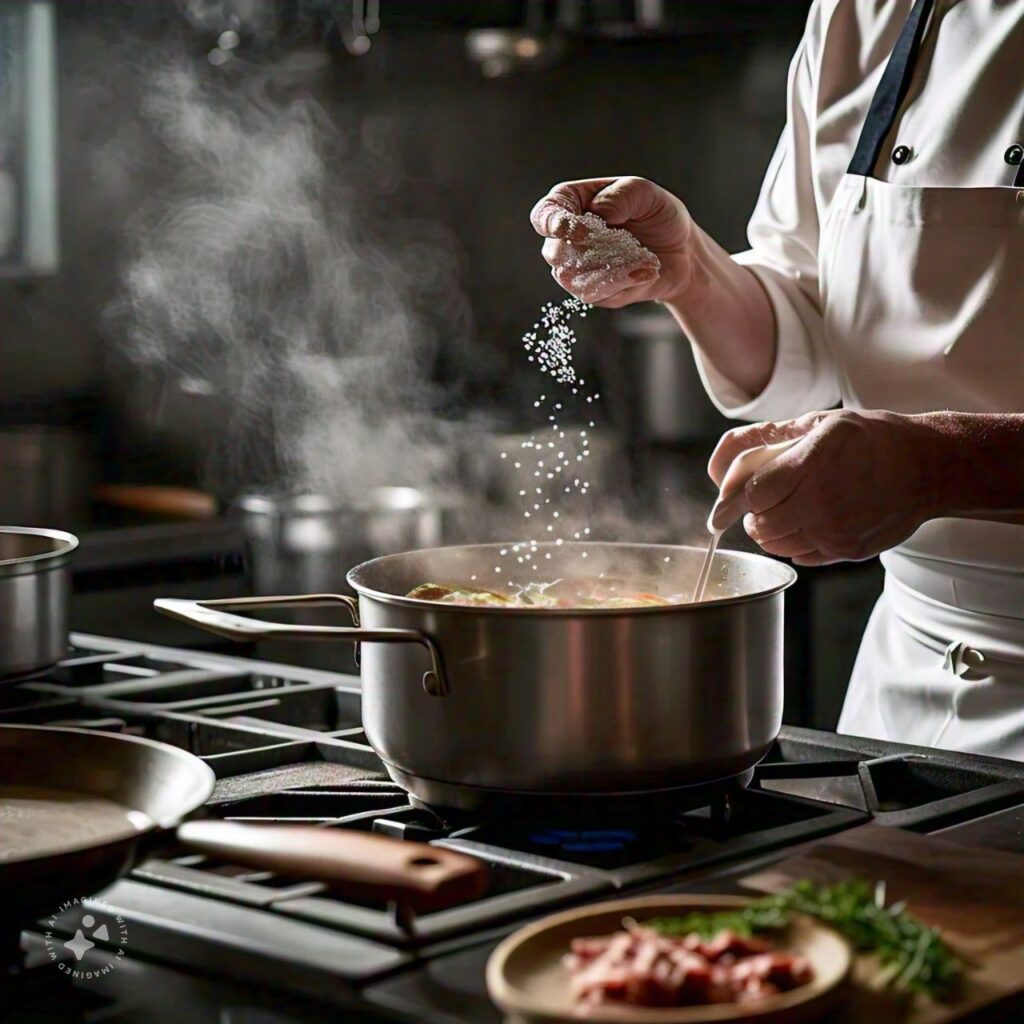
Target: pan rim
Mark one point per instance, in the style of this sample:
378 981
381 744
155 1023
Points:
789 577
208 780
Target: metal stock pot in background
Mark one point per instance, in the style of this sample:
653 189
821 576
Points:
306 543
35 587
469 704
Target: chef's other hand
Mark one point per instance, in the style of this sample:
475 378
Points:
858 483
657 218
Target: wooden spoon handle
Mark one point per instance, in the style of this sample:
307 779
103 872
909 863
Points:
361 865
179 502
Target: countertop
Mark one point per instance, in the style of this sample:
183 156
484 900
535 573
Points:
447 990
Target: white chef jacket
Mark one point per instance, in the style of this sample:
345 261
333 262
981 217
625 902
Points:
960 122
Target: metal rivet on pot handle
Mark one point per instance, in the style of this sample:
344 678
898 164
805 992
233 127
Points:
208 615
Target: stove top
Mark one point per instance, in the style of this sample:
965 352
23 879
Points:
286 745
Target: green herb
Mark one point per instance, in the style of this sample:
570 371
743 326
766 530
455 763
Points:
913 956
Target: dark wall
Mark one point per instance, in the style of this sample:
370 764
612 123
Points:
698 114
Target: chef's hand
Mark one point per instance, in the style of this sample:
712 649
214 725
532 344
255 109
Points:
858 483
657 218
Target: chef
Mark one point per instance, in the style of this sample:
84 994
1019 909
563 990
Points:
885 276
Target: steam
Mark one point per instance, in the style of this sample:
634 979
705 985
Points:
265 277
278 275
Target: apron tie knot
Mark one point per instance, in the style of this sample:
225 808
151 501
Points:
959 659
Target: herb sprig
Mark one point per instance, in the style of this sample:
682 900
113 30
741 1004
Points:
913 956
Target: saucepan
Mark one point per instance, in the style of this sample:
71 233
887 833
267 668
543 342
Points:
469 706
80 808
34 597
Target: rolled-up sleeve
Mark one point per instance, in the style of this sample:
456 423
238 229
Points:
783 236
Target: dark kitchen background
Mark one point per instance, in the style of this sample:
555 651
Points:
276 256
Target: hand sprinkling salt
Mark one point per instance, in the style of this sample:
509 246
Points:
600 256
603 256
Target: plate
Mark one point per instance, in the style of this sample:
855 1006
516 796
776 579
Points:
527 980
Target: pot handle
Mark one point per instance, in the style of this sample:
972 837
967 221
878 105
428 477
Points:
361 865
208 615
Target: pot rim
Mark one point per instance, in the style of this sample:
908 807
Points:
789 578
386 499
24 565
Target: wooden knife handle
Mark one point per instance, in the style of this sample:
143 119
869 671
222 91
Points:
360 865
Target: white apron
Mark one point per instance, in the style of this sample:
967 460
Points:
923 297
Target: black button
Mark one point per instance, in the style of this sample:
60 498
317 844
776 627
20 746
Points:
1015 154
901 154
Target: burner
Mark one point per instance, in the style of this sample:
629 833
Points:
602 840
583 808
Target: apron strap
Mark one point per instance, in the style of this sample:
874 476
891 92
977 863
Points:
891 91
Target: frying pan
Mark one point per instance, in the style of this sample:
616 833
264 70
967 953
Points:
158 787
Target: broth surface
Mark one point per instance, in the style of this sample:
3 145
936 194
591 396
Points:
35 821
579 592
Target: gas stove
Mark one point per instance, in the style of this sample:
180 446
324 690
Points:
286 745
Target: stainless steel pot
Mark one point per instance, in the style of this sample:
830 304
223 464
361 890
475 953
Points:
465 704
34 597
308 542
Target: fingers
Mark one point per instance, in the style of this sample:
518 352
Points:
626 199
795 545
784 520
604 287
595 285
626 297
552 216
815 558
775 483
733 442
